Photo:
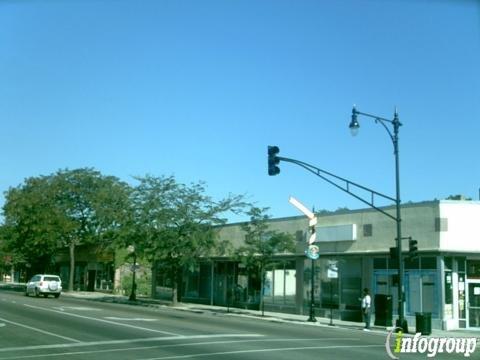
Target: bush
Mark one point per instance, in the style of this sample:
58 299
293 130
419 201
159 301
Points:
143 283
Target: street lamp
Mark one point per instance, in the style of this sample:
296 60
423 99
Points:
354 127
133 294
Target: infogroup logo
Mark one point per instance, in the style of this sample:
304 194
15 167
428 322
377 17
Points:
429 345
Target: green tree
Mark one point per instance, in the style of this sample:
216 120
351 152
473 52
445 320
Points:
458 197
91 209
174 223
261 245
30 228
65 209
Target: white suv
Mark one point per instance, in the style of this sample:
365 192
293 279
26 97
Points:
44 285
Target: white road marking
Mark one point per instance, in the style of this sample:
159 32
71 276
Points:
2 324
39 330
167 346
103 320
79 308
128 319
125 341
260 351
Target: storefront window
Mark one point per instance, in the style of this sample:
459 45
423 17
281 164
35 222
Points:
412 263
448 287
341 292
380 263
191 282
462 312
386 280
428 293
448 281
421 281
205 280
461 298
448 263
428 263
280 283
473 269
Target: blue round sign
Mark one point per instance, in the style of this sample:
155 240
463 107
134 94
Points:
313 252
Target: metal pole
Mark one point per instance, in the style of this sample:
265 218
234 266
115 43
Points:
401 318
212 282
133 295
331 302
312 318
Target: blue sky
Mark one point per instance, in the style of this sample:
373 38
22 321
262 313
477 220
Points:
198 89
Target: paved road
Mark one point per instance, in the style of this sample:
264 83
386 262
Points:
39 328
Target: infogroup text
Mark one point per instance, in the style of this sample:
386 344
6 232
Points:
429 345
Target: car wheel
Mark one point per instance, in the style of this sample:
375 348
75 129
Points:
26 293
45 295
56 296
37 293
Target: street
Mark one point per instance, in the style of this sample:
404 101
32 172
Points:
72 328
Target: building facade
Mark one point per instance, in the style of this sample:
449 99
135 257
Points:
443 280
94 269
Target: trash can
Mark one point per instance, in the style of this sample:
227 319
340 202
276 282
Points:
423 323
383 310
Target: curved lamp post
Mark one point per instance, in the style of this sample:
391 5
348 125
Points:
354 127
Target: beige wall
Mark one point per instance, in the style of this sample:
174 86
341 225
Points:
235 234
418 221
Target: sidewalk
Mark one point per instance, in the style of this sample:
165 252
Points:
268 316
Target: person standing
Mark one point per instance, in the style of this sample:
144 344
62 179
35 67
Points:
366 308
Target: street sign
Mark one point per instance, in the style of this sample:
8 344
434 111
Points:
301 207
312 252
312 222
332 270
134 267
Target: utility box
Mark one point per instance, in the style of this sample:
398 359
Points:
383 310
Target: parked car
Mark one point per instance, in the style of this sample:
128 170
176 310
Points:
45 285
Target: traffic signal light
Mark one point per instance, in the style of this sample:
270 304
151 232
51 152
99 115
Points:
273 160
412 248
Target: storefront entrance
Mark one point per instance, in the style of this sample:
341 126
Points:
473 304
473 293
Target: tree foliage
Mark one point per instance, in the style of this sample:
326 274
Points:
459 197
63 210
91 209
174 223
164 220
30 228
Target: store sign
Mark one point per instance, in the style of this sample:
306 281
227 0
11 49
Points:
332 270
337 233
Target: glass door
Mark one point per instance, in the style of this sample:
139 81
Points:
473 304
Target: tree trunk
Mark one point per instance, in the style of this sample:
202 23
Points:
72 266
174 291
175 282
